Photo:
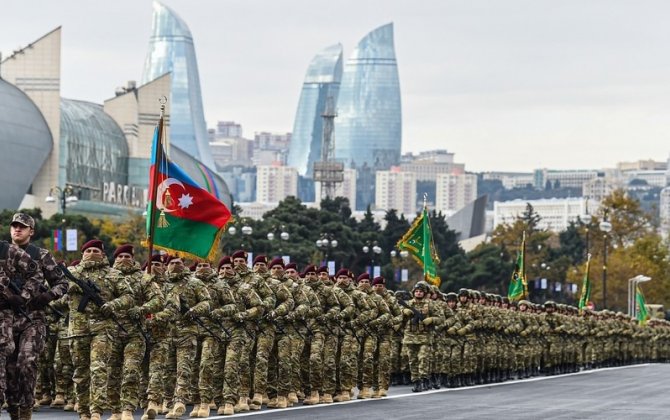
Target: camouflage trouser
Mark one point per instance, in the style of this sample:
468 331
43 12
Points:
211 366
419 360
186 348
296 357
469 355
436 355
123 382
6 347
330 364
245 363
193 390
80 350
157 369
366 361
316 350
451 362
64 369
170 370
279 366
46 380
101 346
22 363
348 348
264 342
383 364
396 347
233 352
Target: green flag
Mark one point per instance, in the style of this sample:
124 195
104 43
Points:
586 287
418 241
642 312
518 288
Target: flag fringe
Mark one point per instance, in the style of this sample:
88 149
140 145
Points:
184 254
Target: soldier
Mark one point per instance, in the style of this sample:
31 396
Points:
22 318
249 309
92 328
187 301
128 348
421 315
385 331
63 360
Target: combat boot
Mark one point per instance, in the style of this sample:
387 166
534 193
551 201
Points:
282 402
115 416
152 409
375 394
418 387
406 378
144 417
177 411
203 411
272 403
194 412
26 413
256 402
292 397
13 412
96 416
342 396
165 408
84 417
127 415
301 395
69 406
58 401
313 398
244 404
228 410
364 393
327 399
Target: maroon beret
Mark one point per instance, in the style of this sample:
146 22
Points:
344 272
239 254
261 259
93 243
379 280
157 258
276 261
310 269
291 265
127 248
224 261
322 269
363 276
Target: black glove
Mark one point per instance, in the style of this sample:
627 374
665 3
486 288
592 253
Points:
16 302
41 301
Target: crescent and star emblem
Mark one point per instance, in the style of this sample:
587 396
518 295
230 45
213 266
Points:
183 202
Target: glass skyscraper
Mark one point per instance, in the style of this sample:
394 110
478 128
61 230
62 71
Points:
171 50
368 127
322 82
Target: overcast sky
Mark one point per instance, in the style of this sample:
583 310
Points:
504 84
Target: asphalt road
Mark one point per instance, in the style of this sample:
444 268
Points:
631 392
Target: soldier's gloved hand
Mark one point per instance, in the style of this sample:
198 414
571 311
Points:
137 312
272 315
407 312
41 301
290 317
452 331
191 314
107 310
462 331
240 316
217 314
427 321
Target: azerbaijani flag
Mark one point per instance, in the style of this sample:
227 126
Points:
518 288
57 240
419 242
187 220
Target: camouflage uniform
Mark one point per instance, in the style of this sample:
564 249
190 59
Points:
386 333
372 331
301 343
63 368
93 332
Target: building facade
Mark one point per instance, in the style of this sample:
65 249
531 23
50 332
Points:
454 191
664 212
171 50
322 84
275 182
555 213
562 179
427 165
368 127
396 189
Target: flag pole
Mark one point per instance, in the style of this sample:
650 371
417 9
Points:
154 182
524 281
424 212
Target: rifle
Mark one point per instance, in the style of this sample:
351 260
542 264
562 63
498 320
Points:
417 317
345 325
56 312
306 325
16 287
91 293
183 308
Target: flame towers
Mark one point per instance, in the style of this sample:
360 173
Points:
171 50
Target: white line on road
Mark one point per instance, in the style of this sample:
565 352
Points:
434 391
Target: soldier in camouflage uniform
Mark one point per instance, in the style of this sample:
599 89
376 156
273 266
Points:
249 307
371 333
62 360
381 380
21 336
451 363
421 316
187 300
399 361
92 330
279 366
128 348
467 320
352 325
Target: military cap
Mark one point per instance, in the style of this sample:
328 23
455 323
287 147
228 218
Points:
378 280
276 261
422 285
322 269
310 269
291 266
451 296
226 260
93 243
124 249
363 276
23 219
463 292
550 304
239 254
525 302
261 259
344 272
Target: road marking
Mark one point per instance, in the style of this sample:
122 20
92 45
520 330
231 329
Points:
434 391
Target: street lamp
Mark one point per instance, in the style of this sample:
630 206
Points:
632 286
66 196
586 220
326 242
605 227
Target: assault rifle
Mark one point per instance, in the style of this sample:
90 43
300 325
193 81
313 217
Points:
183 308
90 293
417 317
15 285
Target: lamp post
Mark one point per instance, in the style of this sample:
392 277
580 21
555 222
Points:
65 196
325 243
586 221
605 227
632 287
283 235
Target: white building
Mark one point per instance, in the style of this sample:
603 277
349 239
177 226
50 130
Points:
453 192
563 179
426 165
664 212
599 188
654 178
346 188
555 213
396 189
274 183
510 180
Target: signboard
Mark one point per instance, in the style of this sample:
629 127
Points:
71 240
124 195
